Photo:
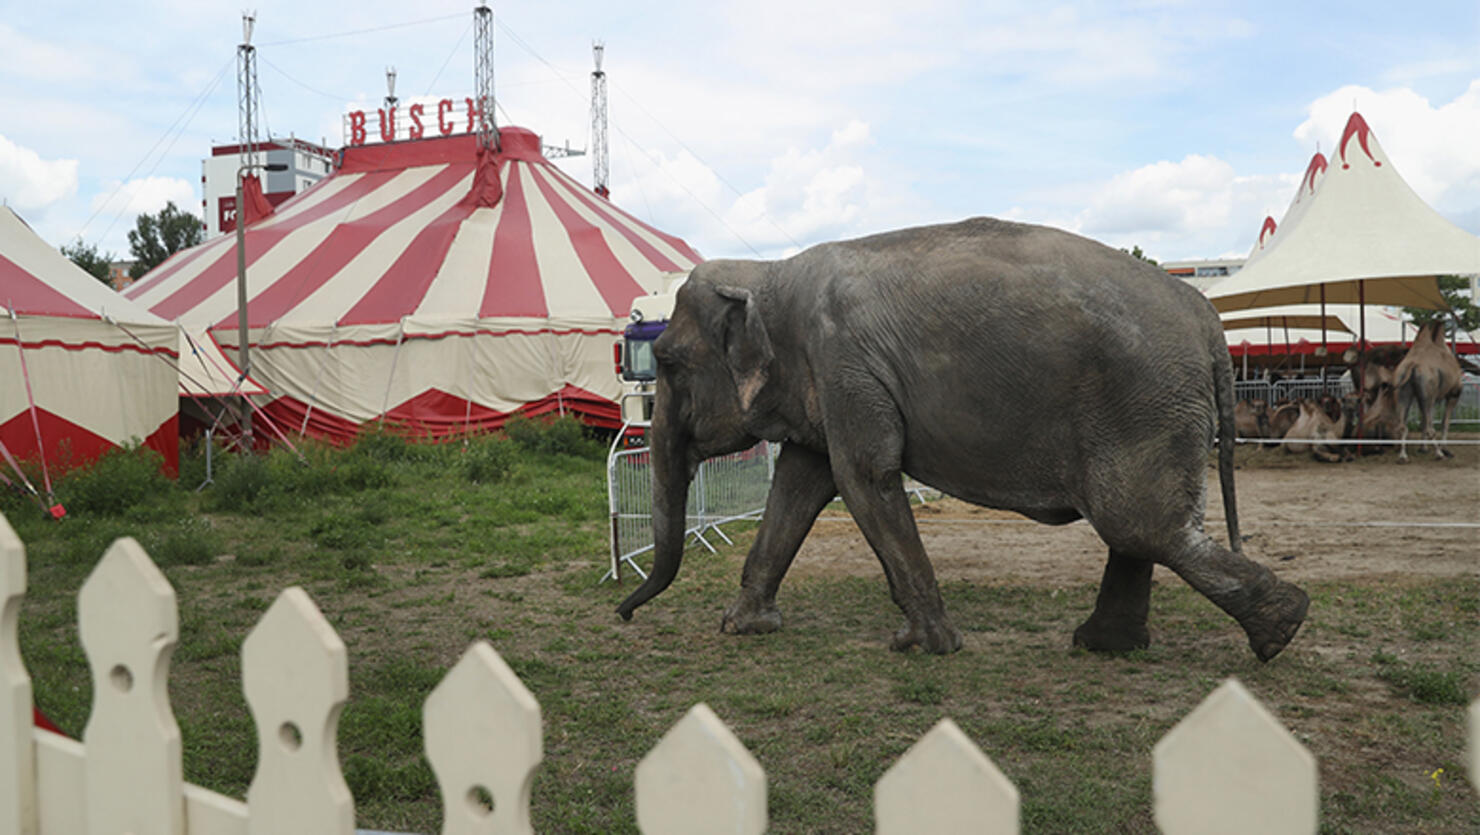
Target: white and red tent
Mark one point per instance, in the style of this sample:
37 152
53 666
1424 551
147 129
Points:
1355 233
430 285
82 369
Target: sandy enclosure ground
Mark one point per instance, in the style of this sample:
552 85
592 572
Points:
1307 520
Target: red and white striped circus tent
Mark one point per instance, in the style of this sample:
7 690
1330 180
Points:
430 285
82 369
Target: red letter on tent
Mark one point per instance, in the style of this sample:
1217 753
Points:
387 125
471 111
416 130
357 127
443 108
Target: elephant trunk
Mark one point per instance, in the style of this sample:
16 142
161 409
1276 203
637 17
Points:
671 476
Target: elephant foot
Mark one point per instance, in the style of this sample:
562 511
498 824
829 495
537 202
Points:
1276 619
1106 635
938 637
745 618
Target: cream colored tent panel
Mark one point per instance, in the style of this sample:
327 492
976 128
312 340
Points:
1278 318
1364 236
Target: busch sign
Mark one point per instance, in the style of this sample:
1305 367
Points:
452 117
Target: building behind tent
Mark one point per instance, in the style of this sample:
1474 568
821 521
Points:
307 163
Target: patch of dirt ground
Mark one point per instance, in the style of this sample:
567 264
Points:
1307 520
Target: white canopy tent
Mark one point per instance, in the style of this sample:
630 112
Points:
1356 233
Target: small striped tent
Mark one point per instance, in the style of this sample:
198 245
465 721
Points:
82 369
429 285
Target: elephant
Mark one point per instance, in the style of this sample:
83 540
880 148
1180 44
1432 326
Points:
1013 366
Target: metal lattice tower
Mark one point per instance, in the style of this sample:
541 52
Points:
483 75
248 95
600 161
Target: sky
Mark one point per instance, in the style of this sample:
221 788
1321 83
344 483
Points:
755 129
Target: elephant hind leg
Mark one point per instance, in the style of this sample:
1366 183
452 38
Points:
1118 623
1269 609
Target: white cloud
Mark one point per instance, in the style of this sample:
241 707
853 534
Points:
31 183
1196 207
807 195
1202 207
43 61
149 194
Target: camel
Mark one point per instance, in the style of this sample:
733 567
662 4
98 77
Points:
1428 373
1251 418
1281 419
1375 369
1314 425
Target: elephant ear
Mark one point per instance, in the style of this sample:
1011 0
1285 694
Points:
747 346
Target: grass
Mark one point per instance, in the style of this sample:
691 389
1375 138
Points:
412 552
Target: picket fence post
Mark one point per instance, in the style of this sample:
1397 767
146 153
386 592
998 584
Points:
1231 767
1473 749
295 673
484 739
128 623
945 784
17 756
699 779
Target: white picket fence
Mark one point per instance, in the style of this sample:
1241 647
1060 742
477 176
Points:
1229 766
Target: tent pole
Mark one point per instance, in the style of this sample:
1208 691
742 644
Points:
1324 352
468 409
318 378
385 403
1361 357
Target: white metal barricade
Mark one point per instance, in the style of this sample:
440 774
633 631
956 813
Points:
725 489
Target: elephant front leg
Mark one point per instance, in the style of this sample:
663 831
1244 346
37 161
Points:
1118 623
801 487
882 511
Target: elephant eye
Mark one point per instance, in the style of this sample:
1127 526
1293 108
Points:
666 355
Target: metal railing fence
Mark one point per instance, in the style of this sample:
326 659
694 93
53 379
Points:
727 488
1465 414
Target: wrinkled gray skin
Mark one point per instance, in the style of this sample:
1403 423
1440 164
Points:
1016 367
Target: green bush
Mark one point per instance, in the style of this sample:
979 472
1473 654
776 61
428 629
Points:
359 473
238 481
488 460
551 435
387 446
344 533
121 480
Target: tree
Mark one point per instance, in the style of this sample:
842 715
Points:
156 237
1135 252
1455 290
87 257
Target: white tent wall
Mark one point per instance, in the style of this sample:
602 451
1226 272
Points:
86 374
500 372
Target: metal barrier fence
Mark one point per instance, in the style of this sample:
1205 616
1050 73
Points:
1466 413
1290 389
724 489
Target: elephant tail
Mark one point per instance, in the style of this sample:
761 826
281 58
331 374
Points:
1224 397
